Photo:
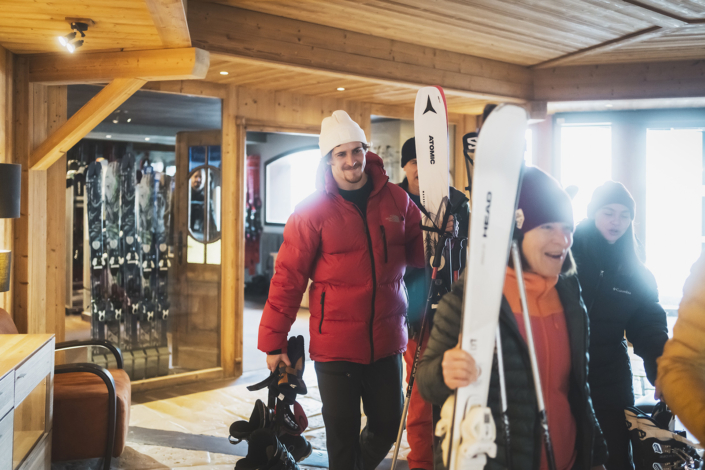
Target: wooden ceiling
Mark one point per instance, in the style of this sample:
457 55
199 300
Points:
32 26
267 76
526 32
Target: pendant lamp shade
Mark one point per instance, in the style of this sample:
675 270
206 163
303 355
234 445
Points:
10 181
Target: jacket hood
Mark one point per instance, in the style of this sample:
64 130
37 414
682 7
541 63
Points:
374 168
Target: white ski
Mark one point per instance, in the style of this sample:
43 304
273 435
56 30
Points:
431 133
498 162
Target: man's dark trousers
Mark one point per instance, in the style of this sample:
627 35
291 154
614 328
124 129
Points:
342 385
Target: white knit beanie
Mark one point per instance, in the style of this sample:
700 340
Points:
339 129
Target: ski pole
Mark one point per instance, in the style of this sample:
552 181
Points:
503 396
437 256
532 354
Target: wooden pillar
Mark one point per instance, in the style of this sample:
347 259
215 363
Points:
543 146
38 252
6 153
629 166
233 236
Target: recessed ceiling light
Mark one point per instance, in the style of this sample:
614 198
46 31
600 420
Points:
129 119
608 105
115 121
108 136
146 138
223 72
340 88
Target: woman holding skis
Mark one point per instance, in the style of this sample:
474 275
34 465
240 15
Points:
621 297
559 323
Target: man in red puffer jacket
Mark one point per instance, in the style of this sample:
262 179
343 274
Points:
354 238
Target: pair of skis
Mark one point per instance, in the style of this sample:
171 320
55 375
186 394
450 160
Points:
468 427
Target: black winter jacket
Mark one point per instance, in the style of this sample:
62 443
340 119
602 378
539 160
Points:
621 298
415 278
526 435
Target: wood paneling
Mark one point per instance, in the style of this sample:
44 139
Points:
6 143
621 81
28 27
349 54
517 32
266 76
169 64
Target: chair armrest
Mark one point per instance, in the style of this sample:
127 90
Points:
109 381
93 342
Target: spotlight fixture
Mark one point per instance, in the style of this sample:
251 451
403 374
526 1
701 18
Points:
340 88
69 41
115 121
65 40
146 138
108 136
223 72
74 45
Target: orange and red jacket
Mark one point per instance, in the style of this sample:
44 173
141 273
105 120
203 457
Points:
356 261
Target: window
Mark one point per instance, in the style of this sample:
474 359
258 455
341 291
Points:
289 179
204 205
674 202
586 162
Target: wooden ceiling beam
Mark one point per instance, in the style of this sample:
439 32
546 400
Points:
169 17
676 79
100 67
83 121
298 45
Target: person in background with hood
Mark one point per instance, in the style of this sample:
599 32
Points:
420 419
621 297
354 237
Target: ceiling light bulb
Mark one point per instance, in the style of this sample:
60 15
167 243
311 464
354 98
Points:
223 72
65 40
146 138
129 119
108 136
74 45
340 88
608 105
115 121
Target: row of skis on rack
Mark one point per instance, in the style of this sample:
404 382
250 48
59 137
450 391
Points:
129 212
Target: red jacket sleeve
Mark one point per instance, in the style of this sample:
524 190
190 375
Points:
414 236
292 271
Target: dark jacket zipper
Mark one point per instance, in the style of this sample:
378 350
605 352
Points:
384 241
374 284
323 301
597 290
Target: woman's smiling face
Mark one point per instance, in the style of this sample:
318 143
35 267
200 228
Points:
546 247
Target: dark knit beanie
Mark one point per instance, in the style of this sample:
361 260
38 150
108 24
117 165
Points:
408 151
611 192
542 201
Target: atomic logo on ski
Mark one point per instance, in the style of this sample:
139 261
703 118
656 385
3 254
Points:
429 107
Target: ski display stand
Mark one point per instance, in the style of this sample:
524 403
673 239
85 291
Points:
129 238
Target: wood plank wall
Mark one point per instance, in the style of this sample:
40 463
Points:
6 147
39 245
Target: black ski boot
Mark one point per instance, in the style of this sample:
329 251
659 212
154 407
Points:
265 452
298 446
261 418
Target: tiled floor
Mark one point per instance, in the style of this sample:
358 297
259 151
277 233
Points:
181 417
